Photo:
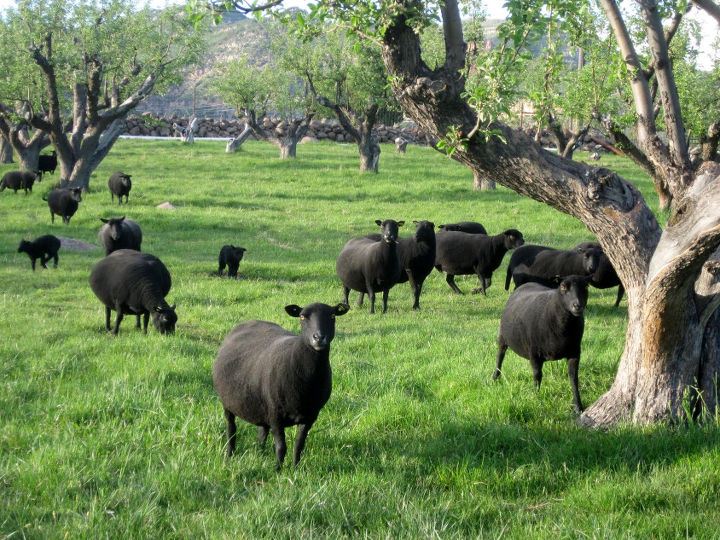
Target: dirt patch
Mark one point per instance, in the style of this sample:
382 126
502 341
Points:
77 245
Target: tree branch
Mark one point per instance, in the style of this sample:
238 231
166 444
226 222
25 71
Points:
455 47
710 7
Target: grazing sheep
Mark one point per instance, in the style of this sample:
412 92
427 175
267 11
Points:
119 233
540 323
19 180
274 378
542 264
47 163
417 257
230 256
63 202
605 276
368 266
44 248
461 253
131 282
472 227
120 184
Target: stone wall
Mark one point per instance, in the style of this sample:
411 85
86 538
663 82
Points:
326 129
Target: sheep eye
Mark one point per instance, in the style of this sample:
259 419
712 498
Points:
303 317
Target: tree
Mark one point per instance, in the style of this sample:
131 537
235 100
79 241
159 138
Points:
345 75
94 62
255 91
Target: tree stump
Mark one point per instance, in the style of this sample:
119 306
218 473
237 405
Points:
400 145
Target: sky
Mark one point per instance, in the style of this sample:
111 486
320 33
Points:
494 9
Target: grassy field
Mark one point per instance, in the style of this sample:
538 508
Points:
122 437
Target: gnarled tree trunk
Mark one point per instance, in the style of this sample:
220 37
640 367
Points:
668 340
6 151
287 143
482 182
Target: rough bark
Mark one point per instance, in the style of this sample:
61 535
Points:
236 144
287 143
27 147
482 182
709 142
667 346
6 151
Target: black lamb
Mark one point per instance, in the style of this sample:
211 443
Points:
44 248
120 184
274 378
63 202
461 253
119 233
19 180
542 264
230 256
134 283
368 266
472 227
541 323
417 257
47 163
605 277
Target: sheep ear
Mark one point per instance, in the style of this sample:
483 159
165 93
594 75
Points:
341 309
580 250
378 223
158 309
400 223
122 218
415 222
104 220
293 310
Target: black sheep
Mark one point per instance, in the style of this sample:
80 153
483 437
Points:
19 180
230 256
274 378
541 323
472 227
461 253
119 233
542 264
417 257
63 202
120 184
44 248
605 276
47 163
369 266
131 282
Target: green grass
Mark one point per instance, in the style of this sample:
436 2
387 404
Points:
122 437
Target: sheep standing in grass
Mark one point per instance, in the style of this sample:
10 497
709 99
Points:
472 227
230 256
542 264
461 253
605 276
274 378
19 180
63 202
119 233
134 283
540 323
417 257
47 163
44 248
368 266
120 184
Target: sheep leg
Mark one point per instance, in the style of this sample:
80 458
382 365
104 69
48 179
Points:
52 217
118 319
416 289
32 263
346 292
221 267
232 271
483 285
278 433
107 317
621 290
146 319
262 436
385 297
371 294
302 432
56 258
137 320
43 260
536 364
573 364
451 281
361 297
502 347
231 430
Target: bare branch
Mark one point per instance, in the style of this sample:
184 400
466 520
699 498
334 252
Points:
710 7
